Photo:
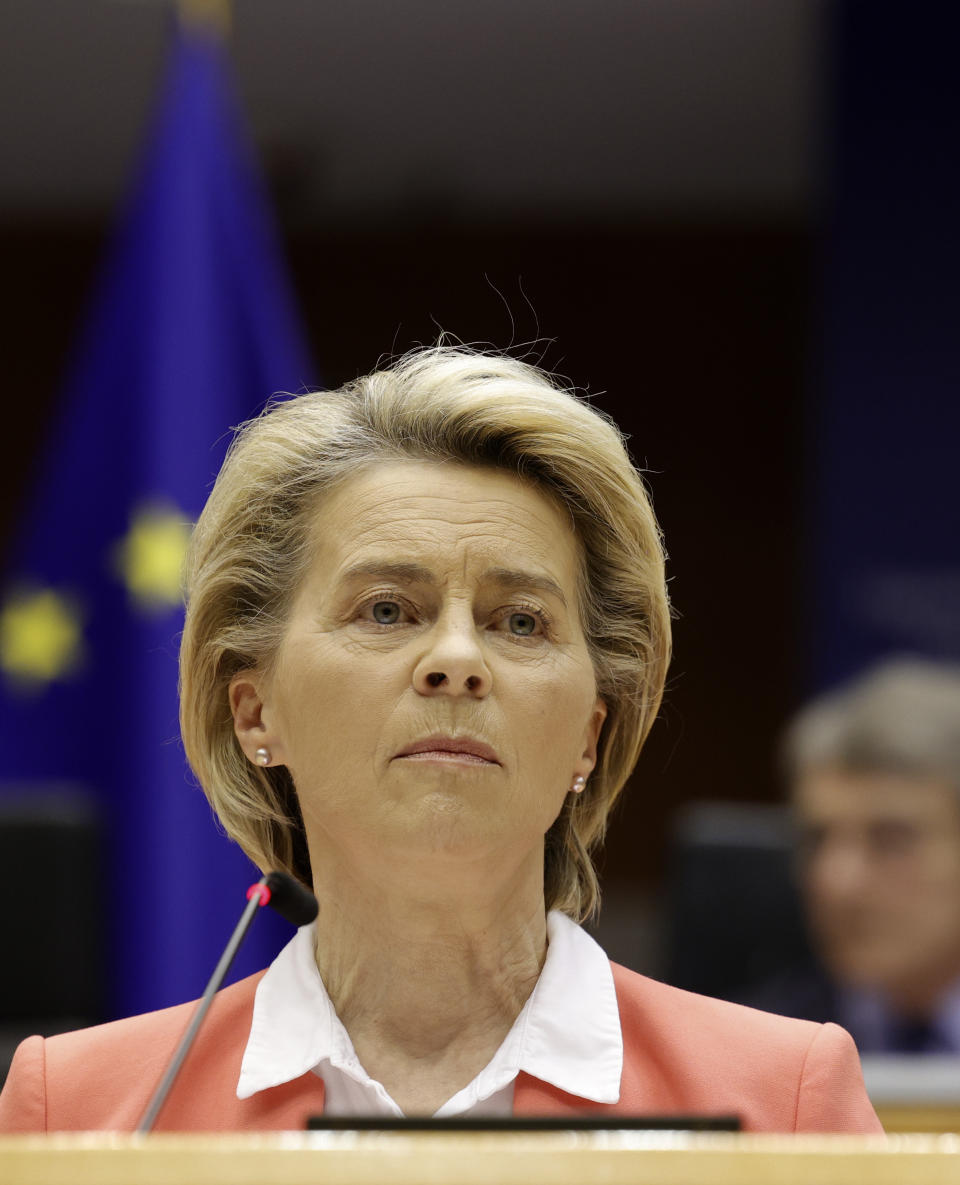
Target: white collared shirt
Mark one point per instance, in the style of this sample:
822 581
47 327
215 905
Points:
567 1033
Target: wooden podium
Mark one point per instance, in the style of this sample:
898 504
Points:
542 1158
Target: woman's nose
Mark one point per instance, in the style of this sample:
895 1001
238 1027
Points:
453 663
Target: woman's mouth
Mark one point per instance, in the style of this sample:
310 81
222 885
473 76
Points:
462 750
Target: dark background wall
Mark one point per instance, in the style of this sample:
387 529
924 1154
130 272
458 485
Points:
692 336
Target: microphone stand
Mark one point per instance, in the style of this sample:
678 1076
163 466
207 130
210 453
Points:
258 894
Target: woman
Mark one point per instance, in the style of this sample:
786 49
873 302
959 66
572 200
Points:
427 633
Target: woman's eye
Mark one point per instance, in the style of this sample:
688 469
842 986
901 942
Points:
522 624
385 612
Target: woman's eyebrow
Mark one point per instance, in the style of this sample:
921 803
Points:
516 579
401 571
407 572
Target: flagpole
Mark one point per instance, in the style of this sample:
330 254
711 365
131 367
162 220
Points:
205 15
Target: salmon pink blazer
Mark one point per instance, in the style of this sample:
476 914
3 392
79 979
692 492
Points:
683 1055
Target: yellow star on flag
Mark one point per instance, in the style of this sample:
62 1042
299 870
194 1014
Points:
40 636
150 558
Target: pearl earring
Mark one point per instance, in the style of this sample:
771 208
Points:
579 784
262 756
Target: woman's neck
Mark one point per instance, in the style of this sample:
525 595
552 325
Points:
427 982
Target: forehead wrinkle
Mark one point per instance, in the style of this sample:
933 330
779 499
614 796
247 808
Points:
401 524
422 531
444 507
471 541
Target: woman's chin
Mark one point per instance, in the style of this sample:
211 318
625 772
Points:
445 789
445 818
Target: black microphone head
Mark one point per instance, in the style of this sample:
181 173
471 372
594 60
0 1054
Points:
290 899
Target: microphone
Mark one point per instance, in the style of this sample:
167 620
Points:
288 897
293 902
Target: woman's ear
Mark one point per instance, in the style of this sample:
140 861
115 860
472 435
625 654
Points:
591 738
250 723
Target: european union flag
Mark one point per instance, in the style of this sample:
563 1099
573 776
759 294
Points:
192 329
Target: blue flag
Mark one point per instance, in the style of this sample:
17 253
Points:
192 329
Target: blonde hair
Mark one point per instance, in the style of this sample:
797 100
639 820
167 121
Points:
251 547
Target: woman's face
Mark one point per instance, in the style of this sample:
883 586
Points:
433 693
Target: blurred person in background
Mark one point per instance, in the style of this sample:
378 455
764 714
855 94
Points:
875 785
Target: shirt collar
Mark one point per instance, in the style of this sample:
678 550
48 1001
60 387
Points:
573 1038
568 1033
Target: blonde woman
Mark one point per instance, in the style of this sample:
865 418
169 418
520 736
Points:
427 633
